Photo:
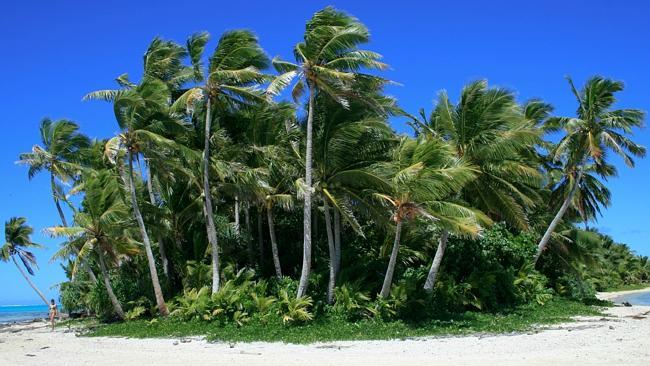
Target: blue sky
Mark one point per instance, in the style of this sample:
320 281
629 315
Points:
56 51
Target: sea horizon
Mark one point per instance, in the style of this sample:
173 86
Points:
13 313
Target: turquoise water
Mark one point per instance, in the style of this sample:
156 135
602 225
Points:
641 298
18 313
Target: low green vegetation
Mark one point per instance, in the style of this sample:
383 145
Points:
524 318
219 210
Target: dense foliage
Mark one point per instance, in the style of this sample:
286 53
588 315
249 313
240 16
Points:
217 203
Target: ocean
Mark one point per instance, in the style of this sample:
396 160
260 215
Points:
19 313
640 298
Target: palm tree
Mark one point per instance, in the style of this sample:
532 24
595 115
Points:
230 80
62 144
101 228
345 150
142 112
421 175
489 130
327 62
596 129
348 140
269 141
162 61
272 200
17 243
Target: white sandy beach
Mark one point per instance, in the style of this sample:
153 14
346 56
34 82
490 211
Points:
622 338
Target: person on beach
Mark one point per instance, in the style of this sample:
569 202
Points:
53 312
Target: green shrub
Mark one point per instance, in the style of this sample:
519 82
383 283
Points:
352 303
531 286
574 288
294 310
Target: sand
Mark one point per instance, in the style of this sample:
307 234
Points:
621 337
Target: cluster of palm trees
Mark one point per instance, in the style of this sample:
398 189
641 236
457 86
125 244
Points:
204 138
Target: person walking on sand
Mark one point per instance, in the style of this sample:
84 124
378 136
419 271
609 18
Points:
53 312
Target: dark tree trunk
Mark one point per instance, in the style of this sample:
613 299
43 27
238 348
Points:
249 236
260 236
337 242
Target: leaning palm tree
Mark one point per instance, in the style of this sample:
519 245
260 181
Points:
101 228
62 145
327 62
142 113
163 61
230 80
596 129
17 243
421 176
488 129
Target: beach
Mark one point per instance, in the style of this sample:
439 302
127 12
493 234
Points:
619 336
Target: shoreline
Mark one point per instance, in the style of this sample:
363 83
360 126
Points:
22 322
612 296
619 336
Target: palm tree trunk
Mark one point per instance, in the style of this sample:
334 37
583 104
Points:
56 201
337 242
107 283
161 244
237 215
120 169
306 222
209 218
160 300
437 259
390 271
30 281
556 220
274 244
332 251
178 241
260 236
249 237
91 274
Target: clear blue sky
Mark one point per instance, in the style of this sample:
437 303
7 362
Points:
56 51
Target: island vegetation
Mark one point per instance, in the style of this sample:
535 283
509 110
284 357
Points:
250 198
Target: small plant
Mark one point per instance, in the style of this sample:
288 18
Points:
294 310
197 275
352 303
530 286
263 306
194 305
138 309
136 313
